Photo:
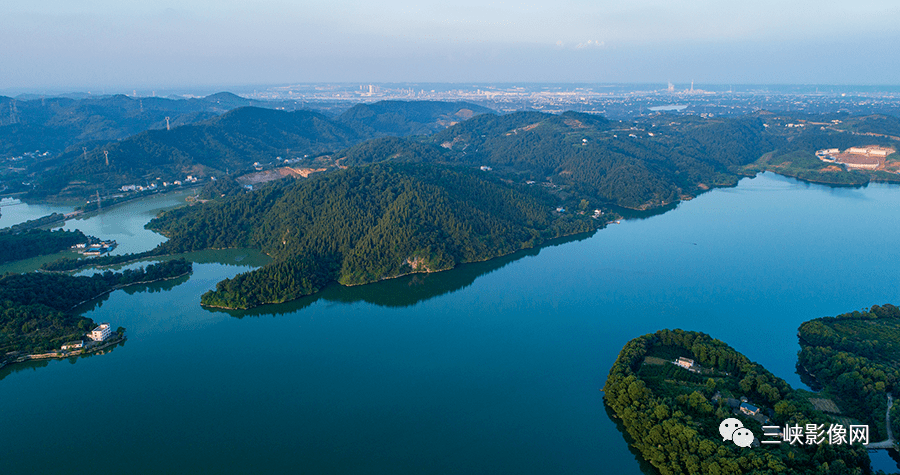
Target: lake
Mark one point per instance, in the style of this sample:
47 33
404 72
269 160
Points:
669 107
493 367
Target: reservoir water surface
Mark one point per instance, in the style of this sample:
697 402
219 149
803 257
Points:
493 367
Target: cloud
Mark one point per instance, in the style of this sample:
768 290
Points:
590 44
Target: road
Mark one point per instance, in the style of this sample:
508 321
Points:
889 443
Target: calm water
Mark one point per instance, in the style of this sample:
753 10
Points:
491 368
13 211
126 223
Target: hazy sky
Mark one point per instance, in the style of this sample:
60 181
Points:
122 44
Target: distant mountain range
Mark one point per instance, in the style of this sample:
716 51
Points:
643 164
56 123
131 135
232 141
53 124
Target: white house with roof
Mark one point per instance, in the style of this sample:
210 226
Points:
685 363
100 333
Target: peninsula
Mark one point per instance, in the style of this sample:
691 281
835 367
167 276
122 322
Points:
37 309
365 224
673 388
672 391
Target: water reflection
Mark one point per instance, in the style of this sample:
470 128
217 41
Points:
34 365
643 465
152 287
403 291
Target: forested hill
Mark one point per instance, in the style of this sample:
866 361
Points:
403 118
630 165
855 357
55 123
234 140
673 415
364 224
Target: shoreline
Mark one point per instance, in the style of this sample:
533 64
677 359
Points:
548 242
61 354
58 354
119 287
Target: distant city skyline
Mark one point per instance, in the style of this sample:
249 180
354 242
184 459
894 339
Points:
121 46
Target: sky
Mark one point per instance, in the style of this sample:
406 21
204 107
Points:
125 45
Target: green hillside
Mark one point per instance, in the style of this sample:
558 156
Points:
365 224
855 357
234 140
673 415
629 165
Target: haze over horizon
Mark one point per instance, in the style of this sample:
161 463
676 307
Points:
133 45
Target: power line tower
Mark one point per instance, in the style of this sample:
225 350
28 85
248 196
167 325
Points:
167 124
106 154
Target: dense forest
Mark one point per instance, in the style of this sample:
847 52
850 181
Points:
365 224
628 165
37 242
855 357
36 308
672 415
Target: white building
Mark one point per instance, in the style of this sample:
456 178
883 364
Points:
73 345
100 333
685 363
